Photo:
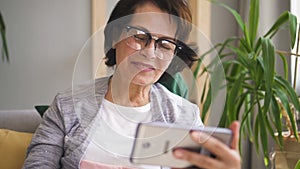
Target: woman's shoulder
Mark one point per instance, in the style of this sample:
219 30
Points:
80 102
96 86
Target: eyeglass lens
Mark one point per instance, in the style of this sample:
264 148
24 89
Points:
138 40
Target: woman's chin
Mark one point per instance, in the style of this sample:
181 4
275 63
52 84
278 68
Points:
144 80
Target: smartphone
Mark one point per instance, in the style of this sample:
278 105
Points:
154 143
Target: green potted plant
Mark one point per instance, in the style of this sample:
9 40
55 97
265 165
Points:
254 89
4 49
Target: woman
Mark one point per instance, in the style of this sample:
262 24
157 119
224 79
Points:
93 126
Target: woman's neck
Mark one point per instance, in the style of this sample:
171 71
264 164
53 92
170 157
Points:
127 94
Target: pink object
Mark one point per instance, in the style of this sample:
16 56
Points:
85 164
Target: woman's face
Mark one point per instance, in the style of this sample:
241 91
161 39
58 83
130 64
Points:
143 64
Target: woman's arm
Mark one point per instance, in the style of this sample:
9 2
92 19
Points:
46 147
226 157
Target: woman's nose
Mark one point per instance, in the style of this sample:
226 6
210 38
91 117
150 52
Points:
149 50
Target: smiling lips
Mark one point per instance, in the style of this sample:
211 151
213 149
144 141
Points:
143 66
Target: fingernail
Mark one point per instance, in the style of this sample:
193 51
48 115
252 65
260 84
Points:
195 134
198 137
178 153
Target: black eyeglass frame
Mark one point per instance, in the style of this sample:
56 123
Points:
156 39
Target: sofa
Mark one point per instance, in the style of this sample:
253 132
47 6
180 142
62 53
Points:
16 130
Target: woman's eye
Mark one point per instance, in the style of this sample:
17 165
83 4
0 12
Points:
141 37
166 45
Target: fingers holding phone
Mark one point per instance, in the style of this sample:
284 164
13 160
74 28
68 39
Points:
223 155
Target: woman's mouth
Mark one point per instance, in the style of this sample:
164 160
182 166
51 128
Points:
143 66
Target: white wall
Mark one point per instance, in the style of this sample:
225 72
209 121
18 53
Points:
44 38
295 8
223 24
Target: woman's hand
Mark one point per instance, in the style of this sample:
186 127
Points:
226 157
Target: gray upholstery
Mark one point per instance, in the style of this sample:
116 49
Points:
20 120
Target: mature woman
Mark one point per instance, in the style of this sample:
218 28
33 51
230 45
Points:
93 126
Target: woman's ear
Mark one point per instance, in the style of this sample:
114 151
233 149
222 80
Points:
113 45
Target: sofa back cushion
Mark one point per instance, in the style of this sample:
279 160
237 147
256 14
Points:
23 120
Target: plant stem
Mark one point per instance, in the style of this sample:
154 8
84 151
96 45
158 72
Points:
287 53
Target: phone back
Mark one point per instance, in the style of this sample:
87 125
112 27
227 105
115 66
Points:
154 143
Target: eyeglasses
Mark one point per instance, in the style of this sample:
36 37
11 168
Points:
138 39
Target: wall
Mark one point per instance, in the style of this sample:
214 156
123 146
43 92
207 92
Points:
295 4
223 24
44 38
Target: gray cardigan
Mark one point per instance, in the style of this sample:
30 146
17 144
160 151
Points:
62 138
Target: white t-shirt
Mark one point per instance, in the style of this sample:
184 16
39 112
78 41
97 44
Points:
113 139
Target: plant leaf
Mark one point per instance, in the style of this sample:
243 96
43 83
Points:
233 97
206 104
285 65
297 166
286 104
292 94
283 18
253 21
293 28
241 56
268 55
263 134
278 125
5 54
256 133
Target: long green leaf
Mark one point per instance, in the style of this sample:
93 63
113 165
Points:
242 56
285 65
270 129
256 133
240 102
257 45
206 104
283 18
223 119
293 28
247 119
297 166
268 54
285 102
233 95
247 43
287 86
253 20
263 132
278 121
227 42
5 54
249 105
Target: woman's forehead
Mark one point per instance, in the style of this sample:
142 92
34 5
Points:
156 23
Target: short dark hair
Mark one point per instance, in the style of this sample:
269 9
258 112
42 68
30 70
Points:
179 8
